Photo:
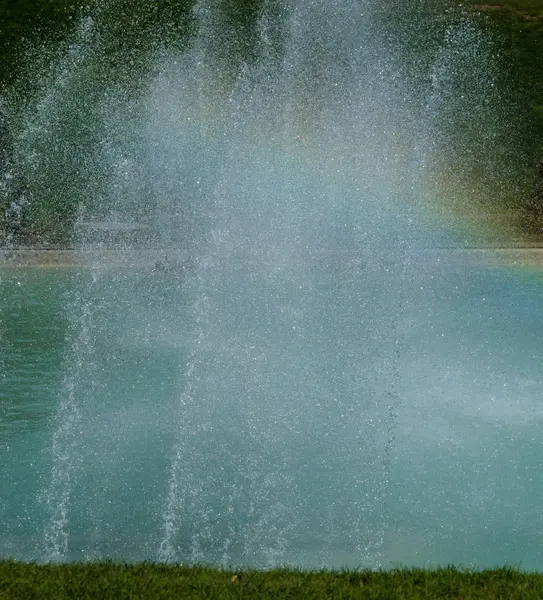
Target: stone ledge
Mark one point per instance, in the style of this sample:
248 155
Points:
70 258
165 259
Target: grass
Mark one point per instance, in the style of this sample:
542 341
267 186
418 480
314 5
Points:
116 581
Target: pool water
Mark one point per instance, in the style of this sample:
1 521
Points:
101 386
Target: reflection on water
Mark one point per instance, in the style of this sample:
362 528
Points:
32 337
467 455
33 331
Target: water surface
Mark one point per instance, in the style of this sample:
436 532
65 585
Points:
452 477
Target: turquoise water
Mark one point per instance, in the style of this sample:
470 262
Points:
460 483
33 336
126 388
309 387
468 464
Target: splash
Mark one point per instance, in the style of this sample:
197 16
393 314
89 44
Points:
295 177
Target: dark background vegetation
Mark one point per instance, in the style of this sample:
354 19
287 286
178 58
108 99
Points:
129 28
520 27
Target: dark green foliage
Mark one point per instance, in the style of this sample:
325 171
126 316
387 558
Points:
57 125
36 37
119 582
518 27
129 28
30 20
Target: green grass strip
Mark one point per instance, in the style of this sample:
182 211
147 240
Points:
118 581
